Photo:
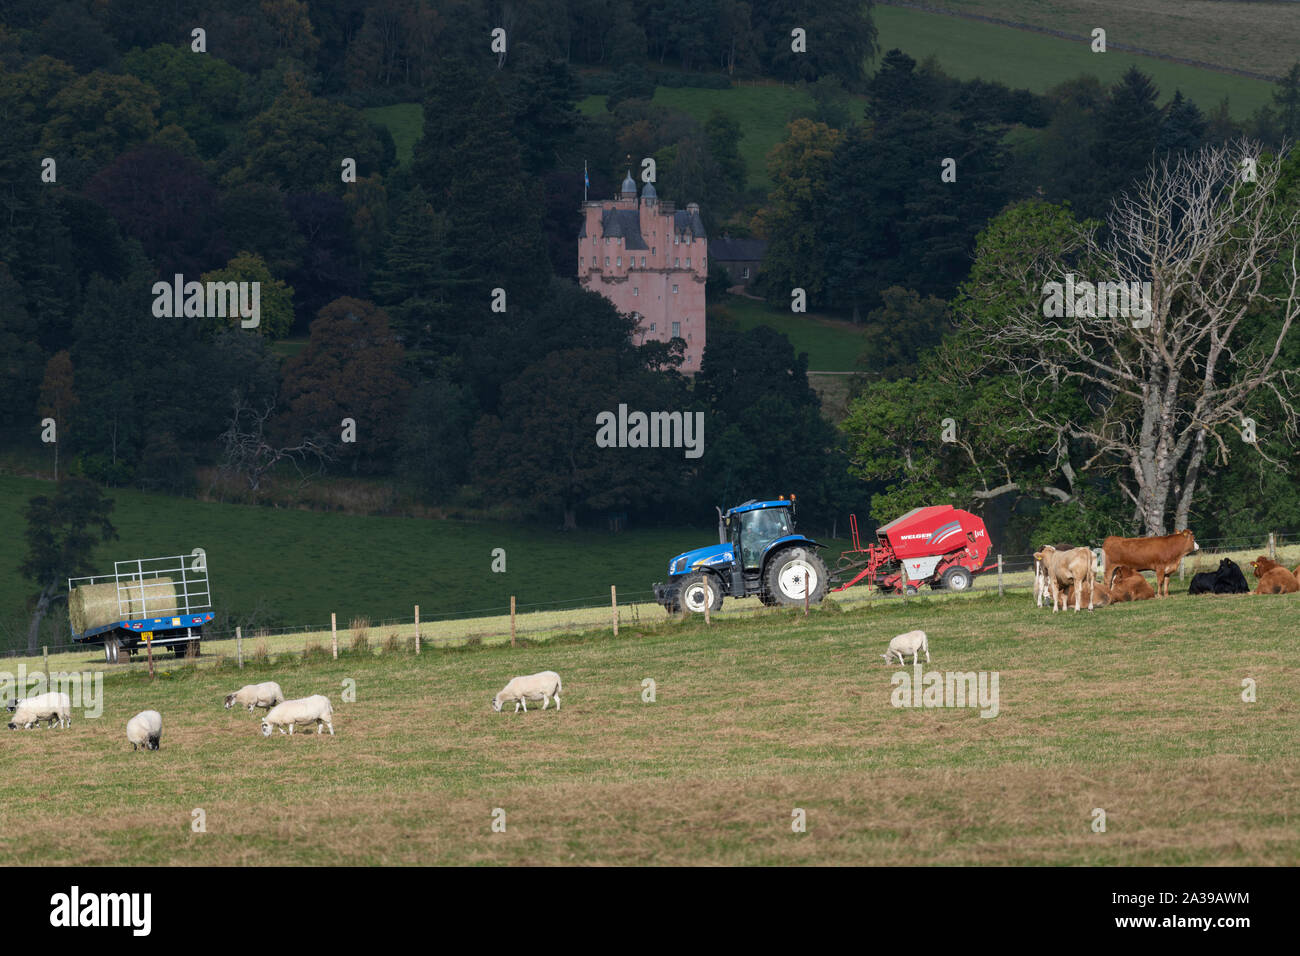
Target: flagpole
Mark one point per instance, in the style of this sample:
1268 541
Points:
584 180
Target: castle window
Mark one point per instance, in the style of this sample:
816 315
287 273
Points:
676 240
744 274
688 262
607 262
593 262
677 263
643 262
607 240
619 262
652 326
652 251
674 290
677 330
636 291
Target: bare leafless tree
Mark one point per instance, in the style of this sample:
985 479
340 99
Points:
1214 237
250 452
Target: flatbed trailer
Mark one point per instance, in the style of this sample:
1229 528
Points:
160 601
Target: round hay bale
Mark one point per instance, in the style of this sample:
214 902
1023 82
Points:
94 605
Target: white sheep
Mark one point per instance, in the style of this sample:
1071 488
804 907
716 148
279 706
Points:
267 694
910 643
304 710
55 707
144 730
521 689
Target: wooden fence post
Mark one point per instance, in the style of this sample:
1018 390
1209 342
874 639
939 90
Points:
239 646
613 603
1272 546
334 634
45 653
417 629
512 620
999 575
707 602
149 647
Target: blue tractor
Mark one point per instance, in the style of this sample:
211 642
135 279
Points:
758 553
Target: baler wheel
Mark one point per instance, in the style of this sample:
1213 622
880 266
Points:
957 579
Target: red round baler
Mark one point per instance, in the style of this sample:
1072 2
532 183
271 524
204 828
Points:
938 545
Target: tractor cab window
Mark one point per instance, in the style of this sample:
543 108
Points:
760 528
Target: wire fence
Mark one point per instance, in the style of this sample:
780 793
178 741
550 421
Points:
532 621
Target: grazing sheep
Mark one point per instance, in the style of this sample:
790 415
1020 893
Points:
521 689
304 710
54 707
912 643
266 694
144 730
1067 567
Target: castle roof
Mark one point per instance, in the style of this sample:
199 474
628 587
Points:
688 220
625 223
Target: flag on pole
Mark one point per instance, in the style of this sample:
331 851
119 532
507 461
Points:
586 181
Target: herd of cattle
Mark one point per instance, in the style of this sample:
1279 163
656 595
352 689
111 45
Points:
1066 574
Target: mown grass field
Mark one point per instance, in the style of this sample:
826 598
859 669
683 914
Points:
1259 37
1135 709
832 344
969 49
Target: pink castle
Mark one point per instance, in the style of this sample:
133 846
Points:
649 259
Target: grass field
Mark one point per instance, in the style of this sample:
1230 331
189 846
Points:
969 49
1258 37
405 121
763 112
1136 710
832 345
301 565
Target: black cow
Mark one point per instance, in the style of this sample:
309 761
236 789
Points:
1228 579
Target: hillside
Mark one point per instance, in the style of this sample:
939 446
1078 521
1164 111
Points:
1258 37
969 49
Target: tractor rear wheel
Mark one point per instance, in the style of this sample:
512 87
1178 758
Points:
699 589
790 571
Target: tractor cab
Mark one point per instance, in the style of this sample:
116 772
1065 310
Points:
753 526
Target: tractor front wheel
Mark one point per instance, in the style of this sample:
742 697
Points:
792 573
698 590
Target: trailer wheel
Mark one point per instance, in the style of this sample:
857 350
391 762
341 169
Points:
957 579
787 571
699 589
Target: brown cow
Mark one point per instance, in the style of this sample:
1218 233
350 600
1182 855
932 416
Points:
1126 584
1100 594
1273 578
1161 555
1067 567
